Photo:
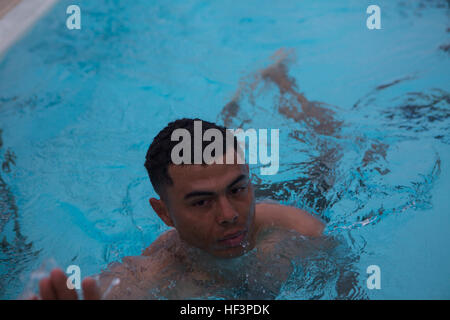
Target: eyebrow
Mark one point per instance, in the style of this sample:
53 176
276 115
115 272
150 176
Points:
210 193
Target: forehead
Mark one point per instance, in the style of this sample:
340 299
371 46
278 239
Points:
214 177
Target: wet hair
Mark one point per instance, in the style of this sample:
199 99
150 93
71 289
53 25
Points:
159 158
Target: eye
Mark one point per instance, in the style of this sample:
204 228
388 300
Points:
238 190
200 203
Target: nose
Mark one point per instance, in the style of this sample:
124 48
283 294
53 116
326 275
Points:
226 212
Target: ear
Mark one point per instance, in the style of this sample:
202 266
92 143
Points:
161 210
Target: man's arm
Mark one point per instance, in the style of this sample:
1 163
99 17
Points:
290 218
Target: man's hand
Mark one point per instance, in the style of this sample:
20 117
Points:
55 287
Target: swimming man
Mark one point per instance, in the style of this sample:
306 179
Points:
215 221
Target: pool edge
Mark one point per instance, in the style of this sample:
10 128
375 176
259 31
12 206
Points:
18 19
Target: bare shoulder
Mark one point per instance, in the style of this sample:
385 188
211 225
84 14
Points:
288 217
141 275
165 241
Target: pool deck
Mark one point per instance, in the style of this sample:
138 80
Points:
6 5
16 16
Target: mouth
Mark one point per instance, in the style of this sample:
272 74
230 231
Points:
233 240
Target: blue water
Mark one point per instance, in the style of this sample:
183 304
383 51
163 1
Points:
79 108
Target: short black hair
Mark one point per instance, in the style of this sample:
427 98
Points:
159 158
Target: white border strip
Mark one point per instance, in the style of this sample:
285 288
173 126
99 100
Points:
22 16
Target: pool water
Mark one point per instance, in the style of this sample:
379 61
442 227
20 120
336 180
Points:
368 149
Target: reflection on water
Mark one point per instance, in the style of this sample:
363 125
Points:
326 177
325 134
338 168
15 252
294 268
325 270
351 165
283 265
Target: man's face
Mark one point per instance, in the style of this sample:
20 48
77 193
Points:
212 207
